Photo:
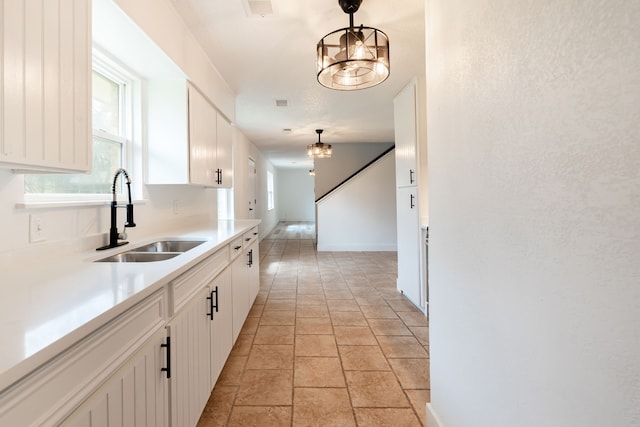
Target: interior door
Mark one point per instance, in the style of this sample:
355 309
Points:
252 189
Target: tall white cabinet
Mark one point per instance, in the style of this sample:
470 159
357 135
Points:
45 85
407 208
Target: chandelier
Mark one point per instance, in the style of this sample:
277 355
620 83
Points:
319 150
354 57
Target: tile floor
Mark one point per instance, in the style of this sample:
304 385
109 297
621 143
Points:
328 342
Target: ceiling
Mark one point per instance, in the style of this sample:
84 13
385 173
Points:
270 58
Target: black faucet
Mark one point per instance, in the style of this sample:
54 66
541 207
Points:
114 236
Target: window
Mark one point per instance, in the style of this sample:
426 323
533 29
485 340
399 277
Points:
111 123
269 190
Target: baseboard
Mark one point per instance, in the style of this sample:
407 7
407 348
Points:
374 247
432 418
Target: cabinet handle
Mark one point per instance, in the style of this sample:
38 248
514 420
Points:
413 205
247 239
212 306
168 356
250 256
255 234
411 172
218 176
235 248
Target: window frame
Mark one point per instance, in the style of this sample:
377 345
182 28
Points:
129 84
270 191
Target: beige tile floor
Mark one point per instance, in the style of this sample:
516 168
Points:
328 342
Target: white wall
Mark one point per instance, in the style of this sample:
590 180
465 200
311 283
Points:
361 215
242 151
534 154
295 196
345 160
162 23
73 228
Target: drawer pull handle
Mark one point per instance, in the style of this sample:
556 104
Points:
235 248
250 255
168 356
212 306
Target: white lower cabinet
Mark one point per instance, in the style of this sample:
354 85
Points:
222 323
154 365
245 277
201 340
409 244
59 389
190 361
136 395
239 279
254 272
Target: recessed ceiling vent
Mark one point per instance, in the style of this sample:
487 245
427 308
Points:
282 103
257 8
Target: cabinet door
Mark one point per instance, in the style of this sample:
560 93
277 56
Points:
408 223
202 139
224 145
254 272
240 291
137 394
190 361
221 324
45 92
406 135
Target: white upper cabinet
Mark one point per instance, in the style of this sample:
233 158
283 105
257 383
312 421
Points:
406 134
224 147
45 70
190 142
202 140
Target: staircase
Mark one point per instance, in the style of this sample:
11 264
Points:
359 214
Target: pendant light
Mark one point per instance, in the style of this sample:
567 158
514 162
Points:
354 57
319 150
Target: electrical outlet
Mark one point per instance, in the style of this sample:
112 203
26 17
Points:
36 228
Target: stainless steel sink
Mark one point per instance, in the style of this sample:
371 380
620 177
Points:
169 246
156 251
132 256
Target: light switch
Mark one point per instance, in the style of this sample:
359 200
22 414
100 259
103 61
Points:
36 228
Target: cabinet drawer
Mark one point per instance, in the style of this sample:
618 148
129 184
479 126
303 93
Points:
48 395
249 237
235 247
191 282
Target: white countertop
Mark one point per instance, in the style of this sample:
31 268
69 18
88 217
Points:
49 307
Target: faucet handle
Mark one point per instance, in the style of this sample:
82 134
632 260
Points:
130 222
122 235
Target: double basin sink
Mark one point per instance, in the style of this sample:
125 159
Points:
156 251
